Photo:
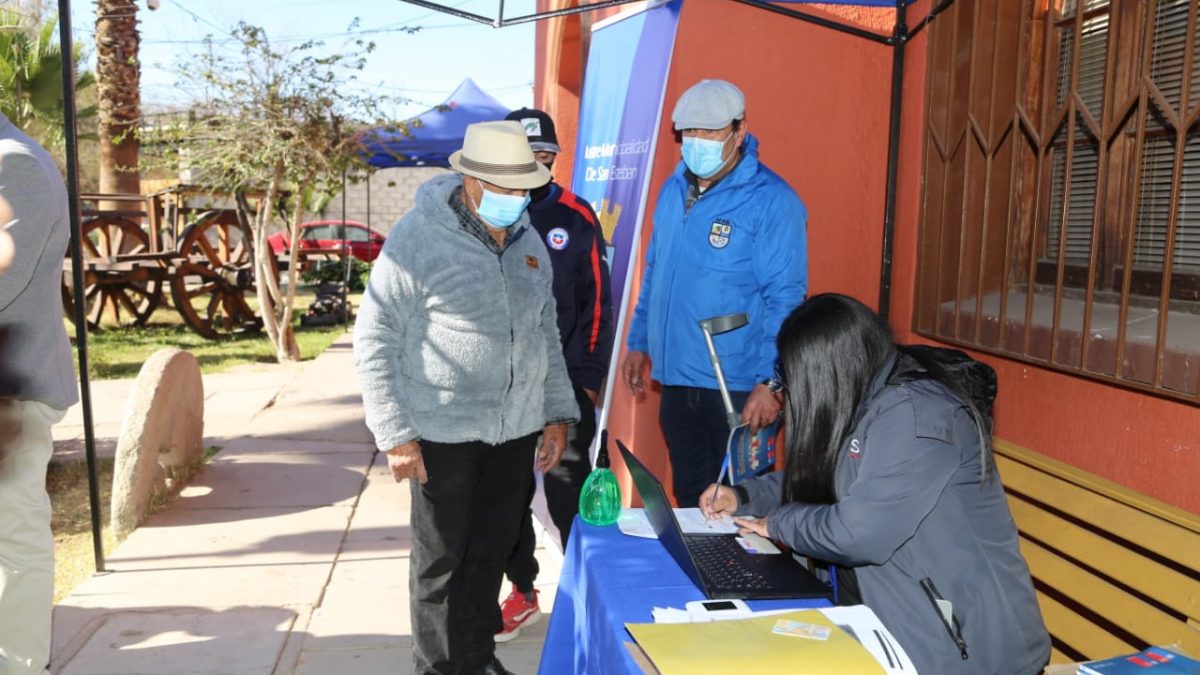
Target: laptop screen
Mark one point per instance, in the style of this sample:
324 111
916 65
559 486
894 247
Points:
658 510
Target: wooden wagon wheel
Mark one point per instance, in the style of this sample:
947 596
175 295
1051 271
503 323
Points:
128 295
213 275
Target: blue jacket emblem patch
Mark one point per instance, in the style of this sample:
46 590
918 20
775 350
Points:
718 235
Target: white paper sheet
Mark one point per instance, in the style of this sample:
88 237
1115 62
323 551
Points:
635 523
871 633
671 615
692 521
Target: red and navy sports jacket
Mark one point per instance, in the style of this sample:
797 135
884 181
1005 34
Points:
578 255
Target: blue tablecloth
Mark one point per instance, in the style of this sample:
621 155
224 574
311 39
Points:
608 579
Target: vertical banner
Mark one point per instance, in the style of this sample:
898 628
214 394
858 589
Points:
620 113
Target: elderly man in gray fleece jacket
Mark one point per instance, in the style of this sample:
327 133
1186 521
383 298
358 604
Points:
461 366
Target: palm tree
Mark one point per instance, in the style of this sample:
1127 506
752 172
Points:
118 74
31 93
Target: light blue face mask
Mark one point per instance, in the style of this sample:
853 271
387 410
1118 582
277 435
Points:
702 156
501 211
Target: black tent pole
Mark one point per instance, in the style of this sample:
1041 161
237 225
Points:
85 385
819 21
346 255
899 40
369 230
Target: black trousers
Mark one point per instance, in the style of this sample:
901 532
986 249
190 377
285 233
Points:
562 484
465 522
693 421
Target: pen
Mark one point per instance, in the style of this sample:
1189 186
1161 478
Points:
884 638
888 654
720 477
724 469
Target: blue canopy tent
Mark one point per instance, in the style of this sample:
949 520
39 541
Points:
429 138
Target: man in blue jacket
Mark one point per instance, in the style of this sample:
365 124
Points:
729 237
573 238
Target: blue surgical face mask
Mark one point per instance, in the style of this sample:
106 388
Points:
501 211
702 156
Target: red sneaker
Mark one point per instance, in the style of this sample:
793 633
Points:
516 612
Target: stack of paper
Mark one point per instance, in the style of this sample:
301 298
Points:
857 620
670 615
797 643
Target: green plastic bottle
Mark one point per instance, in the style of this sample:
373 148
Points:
600 499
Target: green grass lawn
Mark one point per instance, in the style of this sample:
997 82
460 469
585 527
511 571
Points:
74 559
119 352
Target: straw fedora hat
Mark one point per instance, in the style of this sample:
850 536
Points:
498 152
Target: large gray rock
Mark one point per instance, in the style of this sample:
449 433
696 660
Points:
161 435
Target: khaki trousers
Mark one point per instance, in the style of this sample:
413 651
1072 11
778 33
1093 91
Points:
26 545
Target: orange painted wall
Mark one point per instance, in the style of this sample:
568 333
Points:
821 122
822 125
818 102
558 80
560 59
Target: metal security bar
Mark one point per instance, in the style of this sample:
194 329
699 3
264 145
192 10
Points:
1061 213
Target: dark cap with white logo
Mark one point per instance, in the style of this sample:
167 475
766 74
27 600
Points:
539 128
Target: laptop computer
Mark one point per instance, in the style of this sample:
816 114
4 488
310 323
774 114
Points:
716 563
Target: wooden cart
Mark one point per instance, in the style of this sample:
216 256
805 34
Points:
135 246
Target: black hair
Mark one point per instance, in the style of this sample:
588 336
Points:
831 348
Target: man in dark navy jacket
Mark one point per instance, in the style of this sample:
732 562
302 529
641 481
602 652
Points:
573 237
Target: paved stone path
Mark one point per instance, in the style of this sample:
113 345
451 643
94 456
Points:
287 555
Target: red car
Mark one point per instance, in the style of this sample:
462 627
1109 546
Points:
327 236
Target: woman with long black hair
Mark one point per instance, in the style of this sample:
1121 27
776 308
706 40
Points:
888 479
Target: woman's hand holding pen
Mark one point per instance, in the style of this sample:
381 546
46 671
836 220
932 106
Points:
718 501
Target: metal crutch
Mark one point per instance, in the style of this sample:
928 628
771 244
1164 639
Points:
715 326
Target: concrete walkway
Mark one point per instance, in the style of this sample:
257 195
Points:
231 400
287 555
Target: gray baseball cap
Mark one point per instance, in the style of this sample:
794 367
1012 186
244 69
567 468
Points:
709 104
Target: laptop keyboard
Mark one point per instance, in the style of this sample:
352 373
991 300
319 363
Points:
724 564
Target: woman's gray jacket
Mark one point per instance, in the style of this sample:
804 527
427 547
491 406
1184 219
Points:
916 525
457 342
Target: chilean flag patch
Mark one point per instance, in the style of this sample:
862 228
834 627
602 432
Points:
557 239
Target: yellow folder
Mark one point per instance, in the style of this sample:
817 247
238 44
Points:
750 646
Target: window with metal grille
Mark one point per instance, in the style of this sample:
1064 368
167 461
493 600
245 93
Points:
1061 208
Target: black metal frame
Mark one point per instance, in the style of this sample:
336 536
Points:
501 22
345 255
898 42
85 386
899 38
820 21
